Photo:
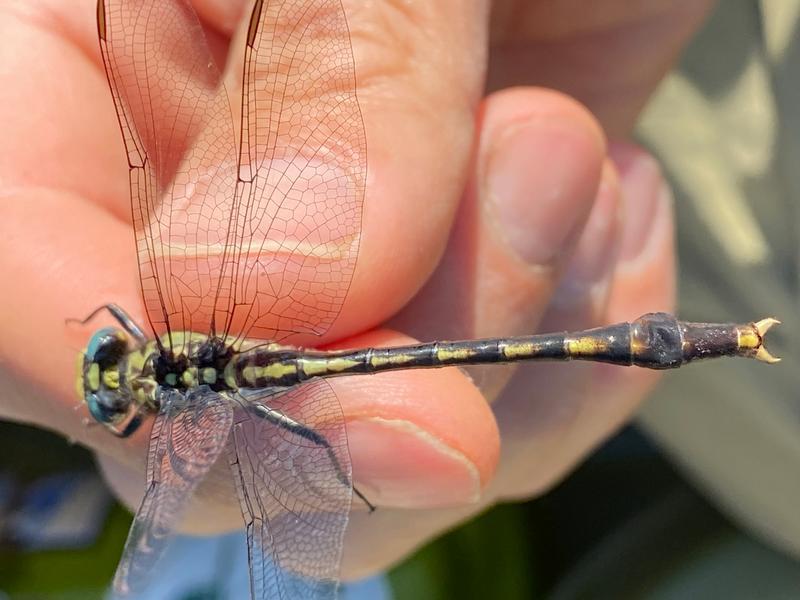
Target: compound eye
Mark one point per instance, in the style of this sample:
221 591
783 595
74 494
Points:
107 347
106 406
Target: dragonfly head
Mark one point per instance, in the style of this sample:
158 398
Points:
109 402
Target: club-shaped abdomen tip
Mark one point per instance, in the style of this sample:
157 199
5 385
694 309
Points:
762 327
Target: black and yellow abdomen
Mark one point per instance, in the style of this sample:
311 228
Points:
654 341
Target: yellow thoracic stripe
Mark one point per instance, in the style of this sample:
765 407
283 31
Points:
93 377
189 377
209 376
111 378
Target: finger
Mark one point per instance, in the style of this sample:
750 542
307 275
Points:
552 415
540 132
395 533
224 16
538 166
611 58
581 297
58 121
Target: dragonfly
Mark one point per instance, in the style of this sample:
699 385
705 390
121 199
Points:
246 236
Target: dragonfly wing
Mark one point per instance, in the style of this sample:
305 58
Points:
290 462
177 126
262 241
189 433
301 169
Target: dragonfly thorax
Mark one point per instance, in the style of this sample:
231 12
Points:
119 380
200 361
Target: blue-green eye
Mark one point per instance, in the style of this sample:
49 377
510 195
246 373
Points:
107 407
106 347
100 339
97 410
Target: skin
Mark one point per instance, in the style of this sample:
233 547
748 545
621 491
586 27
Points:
513 202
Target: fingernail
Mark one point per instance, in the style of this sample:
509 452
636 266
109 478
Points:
643 189
397 464
586 280
540 180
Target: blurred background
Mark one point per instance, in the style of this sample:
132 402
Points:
698 499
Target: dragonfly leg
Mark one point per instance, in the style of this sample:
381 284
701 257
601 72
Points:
128 425
363 498
285 422
123 318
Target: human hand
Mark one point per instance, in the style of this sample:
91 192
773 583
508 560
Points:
542 199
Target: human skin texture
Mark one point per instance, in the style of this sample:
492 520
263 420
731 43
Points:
487 214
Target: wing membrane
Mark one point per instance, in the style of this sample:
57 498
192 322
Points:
302 170
263 240
288 453
189 433
176 124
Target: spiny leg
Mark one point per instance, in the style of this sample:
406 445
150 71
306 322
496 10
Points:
122 317
284 422
128 425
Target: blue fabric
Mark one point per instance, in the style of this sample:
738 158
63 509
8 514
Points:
195 568
57 512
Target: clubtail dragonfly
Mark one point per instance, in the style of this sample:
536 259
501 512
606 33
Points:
256 238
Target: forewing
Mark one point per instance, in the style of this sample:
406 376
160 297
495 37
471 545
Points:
263 240
189 433
302 170
294 491
178 131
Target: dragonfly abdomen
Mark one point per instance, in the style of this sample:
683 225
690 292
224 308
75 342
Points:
654 341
